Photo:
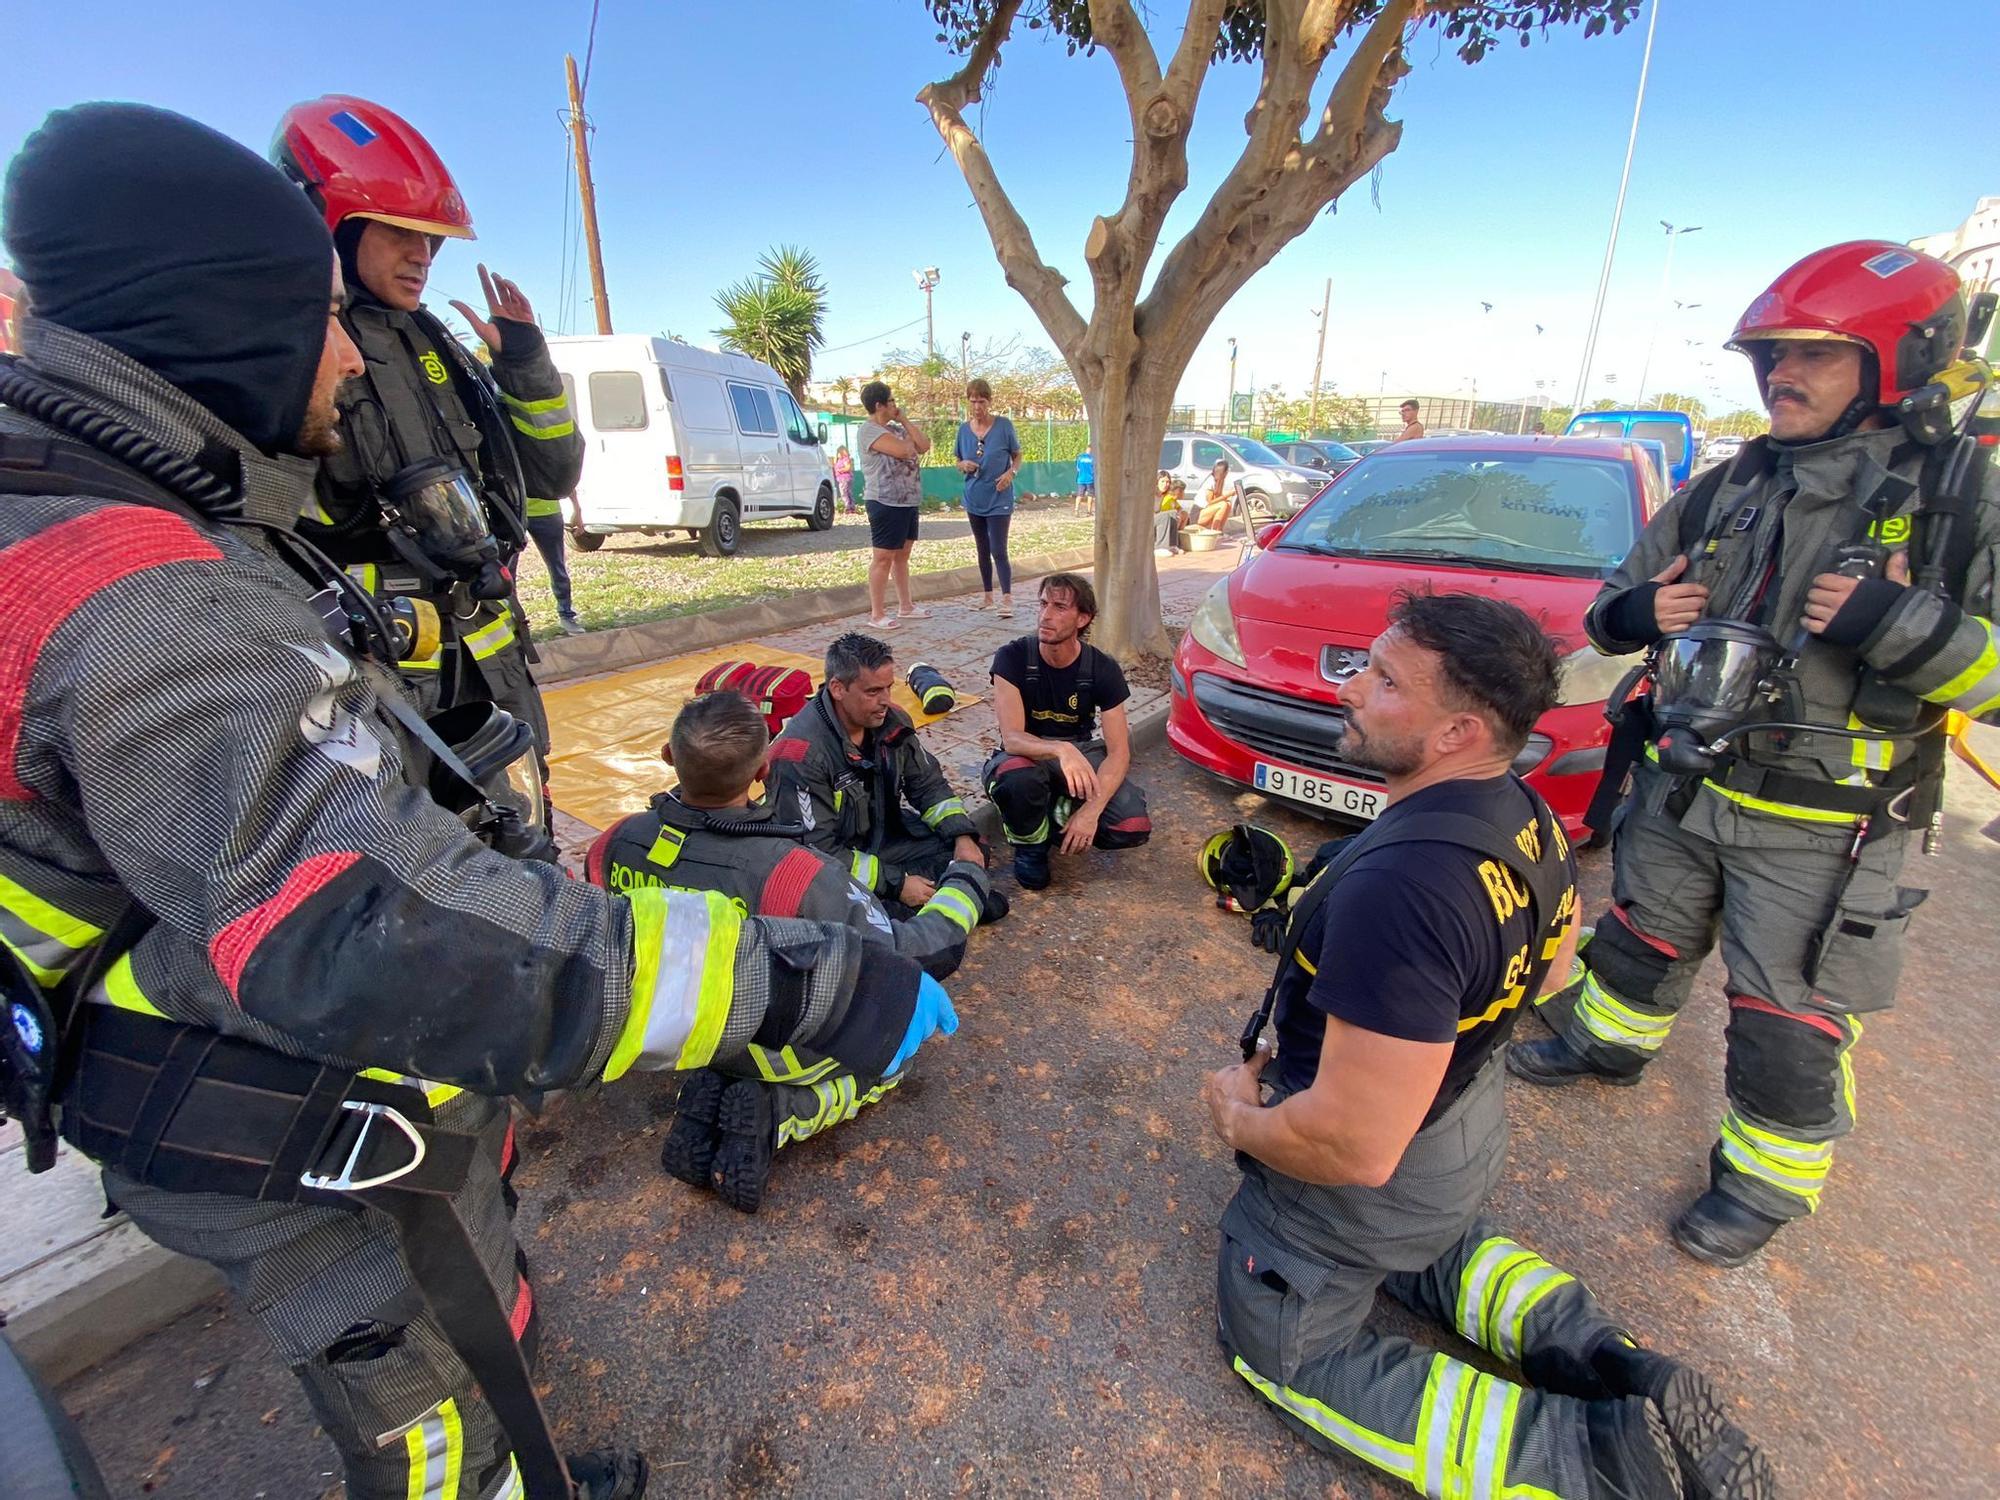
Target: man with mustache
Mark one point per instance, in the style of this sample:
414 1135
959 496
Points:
1851 537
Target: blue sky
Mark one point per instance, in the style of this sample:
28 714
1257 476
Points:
1776 125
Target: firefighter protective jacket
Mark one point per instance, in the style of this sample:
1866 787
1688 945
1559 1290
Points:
1942 651
177 729
850 797
755 860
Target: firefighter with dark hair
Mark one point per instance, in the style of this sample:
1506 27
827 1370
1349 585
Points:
851 769
259 957
1403 969
708 835
1059 777
1816 611
445 459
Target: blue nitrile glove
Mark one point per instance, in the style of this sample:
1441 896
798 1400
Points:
933 1014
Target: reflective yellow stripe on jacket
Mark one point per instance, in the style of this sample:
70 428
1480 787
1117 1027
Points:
543 421
45 938
684 951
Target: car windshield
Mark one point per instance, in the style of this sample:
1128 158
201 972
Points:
1248 449
1340 453
1615 428
1671 434
1541 512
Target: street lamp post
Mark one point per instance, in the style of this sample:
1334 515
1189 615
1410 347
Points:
1229 410
1674 232
927 280
1617 214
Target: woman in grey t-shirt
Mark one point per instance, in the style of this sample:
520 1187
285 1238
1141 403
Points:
893 492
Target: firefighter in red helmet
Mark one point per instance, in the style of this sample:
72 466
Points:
445 458
1815 612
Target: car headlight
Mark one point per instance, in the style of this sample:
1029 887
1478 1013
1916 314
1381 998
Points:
1214 626
1589 676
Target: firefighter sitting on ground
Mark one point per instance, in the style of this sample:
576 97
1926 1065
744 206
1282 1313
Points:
708 835
852 771
1065 744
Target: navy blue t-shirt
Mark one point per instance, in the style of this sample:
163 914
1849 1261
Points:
1412 942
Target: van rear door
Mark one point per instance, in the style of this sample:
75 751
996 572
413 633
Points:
624 471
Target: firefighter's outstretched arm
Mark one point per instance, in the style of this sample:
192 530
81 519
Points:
246 786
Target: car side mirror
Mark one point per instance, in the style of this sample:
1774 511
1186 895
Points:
822 434
1270 534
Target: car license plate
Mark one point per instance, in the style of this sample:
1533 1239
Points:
1343 797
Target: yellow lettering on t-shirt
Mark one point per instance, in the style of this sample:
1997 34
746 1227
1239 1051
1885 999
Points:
1499 883
1529 841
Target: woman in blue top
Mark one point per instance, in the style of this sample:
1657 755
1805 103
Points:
989 456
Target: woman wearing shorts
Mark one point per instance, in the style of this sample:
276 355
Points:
893 492
989 456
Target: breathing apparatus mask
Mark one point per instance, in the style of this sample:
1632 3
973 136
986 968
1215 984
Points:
1707 681
434 518
490 778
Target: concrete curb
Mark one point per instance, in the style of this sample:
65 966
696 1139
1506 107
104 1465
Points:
567 657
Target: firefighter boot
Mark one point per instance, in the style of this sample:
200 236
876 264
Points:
1631 1451
689 1150
748 1141
1718 1229
1555 1064
1717 1461
609 1474
1031 866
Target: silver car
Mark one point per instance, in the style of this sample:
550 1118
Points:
1274 489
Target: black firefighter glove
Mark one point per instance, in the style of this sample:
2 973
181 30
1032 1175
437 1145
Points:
1267 927
978 883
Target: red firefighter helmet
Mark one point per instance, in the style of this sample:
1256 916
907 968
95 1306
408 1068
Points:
355 158
1905 309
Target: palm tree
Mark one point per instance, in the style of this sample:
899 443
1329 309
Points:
778 316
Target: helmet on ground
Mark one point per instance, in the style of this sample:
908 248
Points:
1904 309
358 160
1248 866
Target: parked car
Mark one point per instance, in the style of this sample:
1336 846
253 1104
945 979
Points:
1323 454
1672 428
1273 488
684 439
1366 446
1256 681
1721 449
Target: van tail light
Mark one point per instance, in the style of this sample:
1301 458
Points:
676 480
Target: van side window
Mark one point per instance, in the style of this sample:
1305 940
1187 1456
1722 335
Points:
1207 455
666 386
1170 454
617 401
569 393
754 413
796 427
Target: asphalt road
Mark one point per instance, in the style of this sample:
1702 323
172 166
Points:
1000 1280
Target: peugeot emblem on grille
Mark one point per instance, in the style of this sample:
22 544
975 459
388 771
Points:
1339 664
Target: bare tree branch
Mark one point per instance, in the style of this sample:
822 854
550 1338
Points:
1036 280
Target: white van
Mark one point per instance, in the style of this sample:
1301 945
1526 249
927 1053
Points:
683 439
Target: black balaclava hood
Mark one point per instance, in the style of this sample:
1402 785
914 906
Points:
180 249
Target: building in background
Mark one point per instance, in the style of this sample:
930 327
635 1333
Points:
1972 250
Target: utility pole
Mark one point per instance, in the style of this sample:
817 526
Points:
1319 361
1229 411
1617 213
580 140
927 280
1674 232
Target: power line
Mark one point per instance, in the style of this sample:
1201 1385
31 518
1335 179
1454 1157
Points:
589 50
872 337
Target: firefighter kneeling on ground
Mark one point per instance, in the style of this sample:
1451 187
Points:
853 770
1404 966
254 967
1825 600
707 835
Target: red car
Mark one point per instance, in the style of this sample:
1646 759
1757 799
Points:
1539 521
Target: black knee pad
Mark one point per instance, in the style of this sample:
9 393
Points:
1121 839
1782 1068
1625 963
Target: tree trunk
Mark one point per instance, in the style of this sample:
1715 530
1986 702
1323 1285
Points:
1126 425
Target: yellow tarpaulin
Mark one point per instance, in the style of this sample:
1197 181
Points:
608 732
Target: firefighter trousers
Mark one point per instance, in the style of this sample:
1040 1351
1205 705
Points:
1296 1279
1034 801
331 1291
1810 940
